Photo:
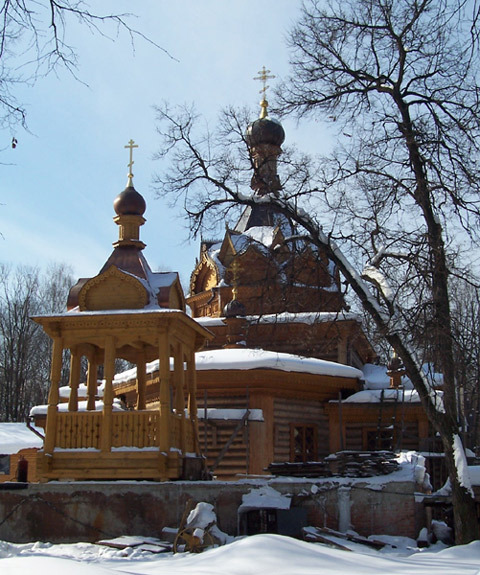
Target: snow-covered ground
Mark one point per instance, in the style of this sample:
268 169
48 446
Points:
256 555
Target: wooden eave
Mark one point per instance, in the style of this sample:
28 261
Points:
129 328
274 382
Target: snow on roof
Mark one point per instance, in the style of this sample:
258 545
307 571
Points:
375 396
245 358
154 309
64 390
376 377
264 497
262 234
16 436
305 317
82 406
240 242
210 321
309 318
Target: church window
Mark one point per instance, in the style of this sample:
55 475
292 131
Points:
378 439
303 443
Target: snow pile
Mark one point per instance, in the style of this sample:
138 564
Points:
247 556
203 517
416 461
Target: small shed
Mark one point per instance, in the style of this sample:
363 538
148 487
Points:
16 441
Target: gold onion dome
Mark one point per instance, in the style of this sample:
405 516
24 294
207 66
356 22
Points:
129 202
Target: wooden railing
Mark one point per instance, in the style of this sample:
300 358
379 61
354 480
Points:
139 429
135 429
78 430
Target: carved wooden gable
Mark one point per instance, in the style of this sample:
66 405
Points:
205 276
113 289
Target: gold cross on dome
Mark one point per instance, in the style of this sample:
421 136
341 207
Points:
263 77
131 144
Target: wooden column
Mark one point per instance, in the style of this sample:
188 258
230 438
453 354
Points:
141 380
109 372
92 382
192 398
262 436
53 396
75 365
163 435
179 379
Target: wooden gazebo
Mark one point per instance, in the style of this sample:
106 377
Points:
126 312
134 444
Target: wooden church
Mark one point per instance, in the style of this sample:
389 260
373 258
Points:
285 352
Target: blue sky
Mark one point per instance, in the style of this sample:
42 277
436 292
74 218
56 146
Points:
58 185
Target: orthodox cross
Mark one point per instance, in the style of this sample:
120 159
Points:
131 144
263 76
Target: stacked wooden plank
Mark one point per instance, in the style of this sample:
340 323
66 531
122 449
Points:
307 469
341 464
362 463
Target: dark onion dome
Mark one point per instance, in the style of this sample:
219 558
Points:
234 308
265 131
129 202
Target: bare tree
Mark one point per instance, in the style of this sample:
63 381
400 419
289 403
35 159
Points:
34 41
399 79
24 348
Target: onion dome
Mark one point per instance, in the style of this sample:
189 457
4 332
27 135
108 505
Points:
129 202
234 308
265 131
